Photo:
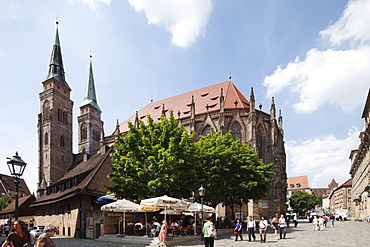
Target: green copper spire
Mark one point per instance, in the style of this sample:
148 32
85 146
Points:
90 95
56 69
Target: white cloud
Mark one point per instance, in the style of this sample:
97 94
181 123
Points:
335 77
331 76
322 158
186 20
93 3
352 26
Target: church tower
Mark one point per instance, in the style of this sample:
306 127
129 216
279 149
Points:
90 125
54 123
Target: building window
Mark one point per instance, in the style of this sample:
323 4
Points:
298 185
349 191
46 110
235 131
260 143
64 117
59 115
206 130
292 186
83 131
62 141
46 138
96 135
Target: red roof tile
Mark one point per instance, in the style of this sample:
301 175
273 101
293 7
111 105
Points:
202 97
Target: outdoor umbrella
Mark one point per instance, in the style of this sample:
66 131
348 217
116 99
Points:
120 206
165 202
197 207
106 199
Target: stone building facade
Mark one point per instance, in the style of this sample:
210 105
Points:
224 108
360 169
341 197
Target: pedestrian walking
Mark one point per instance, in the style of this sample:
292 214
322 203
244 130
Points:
282 227
208 229
321 223
162 237
315 222
44 240
263 229
275 226
238 230
332 219
295 220
251 227
18 236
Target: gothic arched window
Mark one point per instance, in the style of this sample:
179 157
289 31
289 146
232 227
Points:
95 134
62 141
64 117
46 109
206 130
236 131
59 115
83 131
46 138
260 143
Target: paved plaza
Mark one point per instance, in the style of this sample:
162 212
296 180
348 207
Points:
348 233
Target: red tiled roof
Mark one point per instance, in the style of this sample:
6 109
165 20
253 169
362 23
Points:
97 167
302 180
347 183
202 97
333 183
320 191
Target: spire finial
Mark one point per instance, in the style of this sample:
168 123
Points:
229 75
57 22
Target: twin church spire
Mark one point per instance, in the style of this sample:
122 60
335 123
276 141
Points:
56 69
55 122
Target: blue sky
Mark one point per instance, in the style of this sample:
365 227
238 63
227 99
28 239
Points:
312 56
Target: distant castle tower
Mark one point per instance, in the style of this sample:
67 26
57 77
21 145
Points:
54 123
90 126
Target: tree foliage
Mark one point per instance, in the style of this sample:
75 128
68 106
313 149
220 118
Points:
232 172
4 202
302 201
161 158
153 160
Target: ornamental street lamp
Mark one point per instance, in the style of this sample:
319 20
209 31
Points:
16 167
201 191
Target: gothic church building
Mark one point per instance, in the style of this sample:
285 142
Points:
69 183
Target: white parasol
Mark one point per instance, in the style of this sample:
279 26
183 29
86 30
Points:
165 202
122 205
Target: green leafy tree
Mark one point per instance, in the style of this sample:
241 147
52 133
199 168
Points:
302 201
4 202
231 171
153 160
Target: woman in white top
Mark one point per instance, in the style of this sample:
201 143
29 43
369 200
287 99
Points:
263 228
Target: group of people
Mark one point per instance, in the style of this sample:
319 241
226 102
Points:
319 223
19 236
279 226
4 229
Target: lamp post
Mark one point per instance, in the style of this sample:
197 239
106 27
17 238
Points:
16 167
201 191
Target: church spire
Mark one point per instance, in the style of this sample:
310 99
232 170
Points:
56 69
90 94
